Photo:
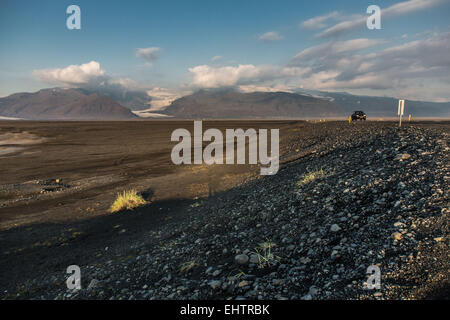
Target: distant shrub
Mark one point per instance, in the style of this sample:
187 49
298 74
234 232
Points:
127 200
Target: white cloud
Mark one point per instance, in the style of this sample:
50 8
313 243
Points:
150 54
92 77
344 26
397 9
410 6
205 76
267 88
318 22
270 36
71 75
335 48
212 77
216 58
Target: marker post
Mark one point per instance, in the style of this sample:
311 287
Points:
401 111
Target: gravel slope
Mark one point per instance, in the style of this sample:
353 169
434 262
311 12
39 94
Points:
380 198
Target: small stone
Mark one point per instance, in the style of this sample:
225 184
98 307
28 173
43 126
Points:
254 259
277 282
313 290
403 156
93 284
335 228
305 260
209 270
214 284
241 259
243 283
396 236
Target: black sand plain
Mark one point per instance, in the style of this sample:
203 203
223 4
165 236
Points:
55 191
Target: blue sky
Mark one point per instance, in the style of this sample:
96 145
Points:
258 45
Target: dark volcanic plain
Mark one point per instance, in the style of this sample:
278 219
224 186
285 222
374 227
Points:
380 196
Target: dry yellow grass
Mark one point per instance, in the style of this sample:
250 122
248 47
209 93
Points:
311 176
127 200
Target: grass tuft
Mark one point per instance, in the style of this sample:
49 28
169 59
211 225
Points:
187 266
311 176
127 200
265 256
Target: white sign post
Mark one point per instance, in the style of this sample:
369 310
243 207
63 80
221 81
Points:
401 111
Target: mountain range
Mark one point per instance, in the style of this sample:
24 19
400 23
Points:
80 104
63 104
234 104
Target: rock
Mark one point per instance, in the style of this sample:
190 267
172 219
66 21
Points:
307 297
277 282
403 156
313 290
254 259
215 284
305 260
241 259
335 228
243 283
396 236
93 284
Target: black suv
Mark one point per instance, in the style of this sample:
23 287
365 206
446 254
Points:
358 115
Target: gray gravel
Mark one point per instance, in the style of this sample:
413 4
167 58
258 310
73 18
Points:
383 200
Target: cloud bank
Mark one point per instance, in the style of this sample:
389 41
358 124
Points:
91 77
205 76
422 64
418 69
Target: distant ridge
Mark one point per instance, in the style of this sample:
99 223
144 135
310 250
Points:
231 104
62 104
80 104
